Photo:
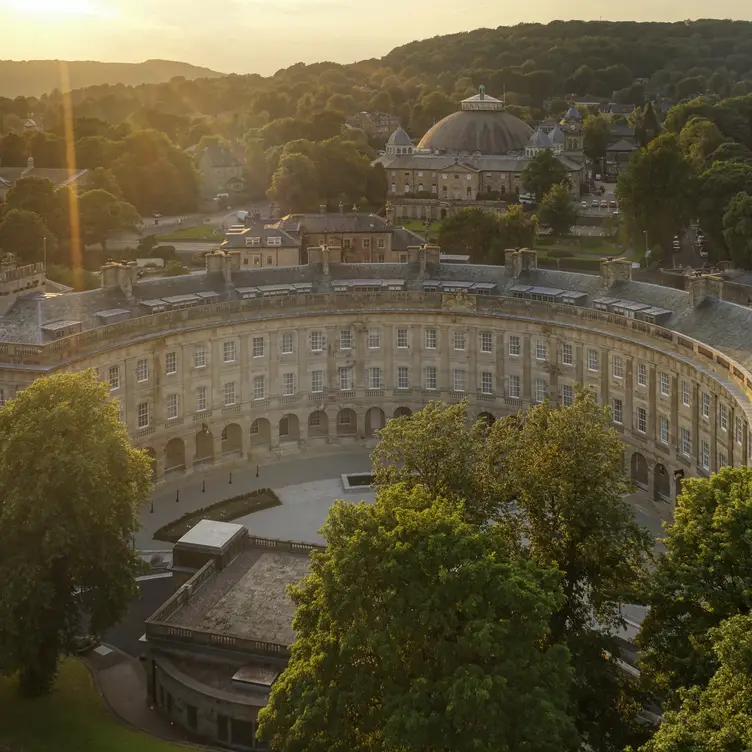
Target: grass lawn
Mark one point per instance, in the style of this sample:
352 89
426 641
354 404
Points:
604 248
199 232
419 226
73 718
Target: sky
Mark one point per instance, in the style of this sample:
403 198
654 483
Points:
261 36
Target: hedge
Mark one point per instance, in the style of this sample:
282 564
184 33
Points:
173 531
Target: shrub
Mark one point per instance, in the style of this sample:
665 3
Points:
583 264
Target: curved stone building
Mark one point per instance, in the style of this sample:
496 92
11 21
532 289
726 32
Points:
474 157
247 365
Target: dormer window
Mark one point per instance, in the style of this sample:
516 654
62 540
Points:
274 240
253 241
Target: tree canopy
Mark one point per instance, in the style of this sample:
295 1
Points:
557 210
451 623
542 173
72 486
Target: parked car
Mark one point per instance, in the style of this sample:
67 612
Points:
612 204
583 204
604 204
594 204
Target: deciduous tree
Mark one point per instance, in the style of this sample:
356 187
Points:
596 132
737 232
419 631
472 232
558 210
704 577
102 215
295 184
72 486
23 233
542 172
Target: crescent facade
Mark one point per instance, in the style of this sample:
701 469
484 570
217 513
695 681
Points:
236 365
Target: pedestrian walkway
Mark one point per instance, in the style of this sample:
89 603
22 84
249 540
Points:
170 502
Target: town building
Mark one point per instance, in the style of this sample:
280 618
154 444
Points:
60 177
352 237
221 171
474 157
374 123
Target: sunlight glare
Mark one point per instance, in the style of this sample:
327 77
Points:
56 7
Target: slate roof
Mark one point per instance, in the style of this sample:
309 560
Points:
333 223
237 238
479 163
622 146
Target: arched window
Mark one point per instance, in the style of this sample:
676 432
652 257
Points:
407 187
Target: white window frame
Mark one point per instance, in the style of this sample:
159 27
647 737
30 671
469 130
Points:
113 377
403 377
567 395
541 349
288 343
230 397
738 430
514 345
142 370
705 405
664 429
402 342
617 410
430 338
459 339
201 399
317 341
686 442
374 339
257 347
459 380
486 382
317 381
567 354
375 380
345 339
642 374
142 415
723 415
705 454
642 420
514 386
172 406
541 390
593 360
288 384
617 367
259 387
486 342
686 393
229 351
200 356
430 378
665 385
345 378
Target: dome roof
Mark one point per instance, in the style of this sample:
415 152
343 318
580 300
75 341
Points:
557 135
539 140
399 138
573 114
486 131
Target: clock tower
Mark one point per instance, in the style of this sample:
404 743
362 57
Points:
572 125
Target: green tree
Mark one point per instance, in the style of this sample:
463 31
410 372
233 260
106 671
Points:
657 191
102 214
645 123
295 184
700 138
716 717
557 210
416 630
102 179
474 232
175 269
72 486
737 223
542 172
596 132
552 478
704 577
38 195
517 229
23 233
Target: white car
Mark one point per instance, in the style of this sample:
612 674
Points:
583 204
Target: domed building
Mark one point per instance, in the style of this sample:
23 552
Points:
473 157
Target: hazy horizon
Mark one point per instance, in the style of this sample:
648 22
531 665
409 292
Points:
250 36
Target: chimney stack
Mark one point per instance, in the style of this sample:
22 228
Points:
615 270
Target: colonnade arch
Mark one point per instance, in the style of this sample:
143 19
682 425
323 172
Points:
151 452
375 420
639 470
486 417
661 483
401 412
347 422
204 446
232 439
174 455
261 433
289 428
318 425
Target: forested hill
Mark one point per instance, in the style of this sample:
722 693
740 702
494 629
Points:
32 78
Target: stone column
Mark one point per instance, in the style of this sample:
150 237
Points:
628 395
696 406
526 367
652 404
674 426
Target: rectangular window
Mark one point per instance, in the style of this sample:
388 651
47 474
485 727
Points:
738 430
705 455
367 243
686 442
486 342
345 378
541 390
374 378
567 354
592 360
665 385
617 411
142 414
642 419
257 347
458 338
567 395
402 338
345 339
663 427
113 376
723 418
317 381
259 387
429 336
642 374
173 409
403 377
486 382
374 339
170 363
201 399
722 460
686 393
229 393
317 341
541 350
514 345
200 356
228 351
617 367
288 384
514 386
142 370
429 381
705 405
458 380
287 343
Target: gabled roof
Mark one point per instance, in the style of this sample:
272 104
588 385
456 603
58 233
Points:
622 145
237 237
334 223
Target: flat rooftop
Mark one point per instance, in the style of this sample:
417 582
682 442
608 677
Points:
248 599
